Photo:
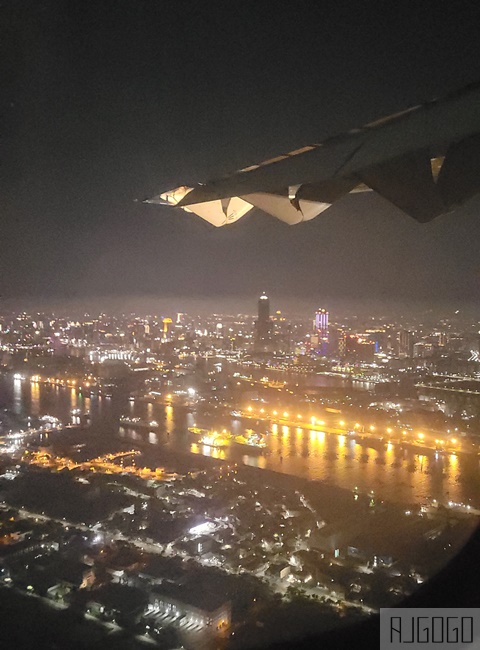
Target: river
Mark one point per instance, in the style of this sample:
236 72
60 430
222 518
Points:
392 472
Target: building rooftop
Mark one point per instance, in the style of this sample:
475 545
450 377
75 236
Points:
119 597
162 568
192 593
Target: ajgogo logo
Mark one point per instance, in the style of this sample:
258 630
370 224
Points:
429 628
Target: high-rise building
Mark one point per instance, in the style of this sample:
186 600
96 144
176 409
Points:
167 326
263 309
422 350
355 348
406 341
263 325
379 337
321 330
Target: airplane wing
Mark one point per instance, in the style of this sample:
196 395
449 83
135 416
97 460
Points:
425 160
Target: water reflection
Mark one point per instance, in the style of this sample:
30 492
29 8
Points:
152 438
35 398
255 461
394 471
169 424
17 396
205 450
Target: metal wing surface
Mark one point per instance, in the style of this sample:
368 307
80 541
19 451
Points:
425 160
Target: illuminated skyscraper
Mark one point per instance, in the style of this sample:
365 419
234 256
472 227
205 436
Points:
167 324
263 324
263 309
353 348
321 330
406 342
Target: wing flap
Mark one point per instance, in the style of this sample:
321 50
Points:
459 177
282 208
408 183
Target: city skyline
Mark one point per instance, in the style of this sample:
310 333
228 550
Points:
316 463
246 436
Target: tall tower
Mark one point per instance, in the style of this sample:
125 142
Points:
406 341
263 324
167 322
321 330
263 309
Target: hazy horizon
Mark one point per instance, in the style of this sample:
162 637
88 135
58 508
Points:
246 304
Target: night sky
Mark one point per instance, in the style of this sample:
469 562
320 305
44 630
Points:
107 102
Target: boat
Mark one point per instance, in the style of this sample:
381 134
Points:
49 423
138 422
198 431
250 439
214 440
210 432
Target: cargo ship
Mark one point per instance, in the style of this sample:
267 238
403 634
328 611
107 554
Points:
214 440
251 439
198 431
